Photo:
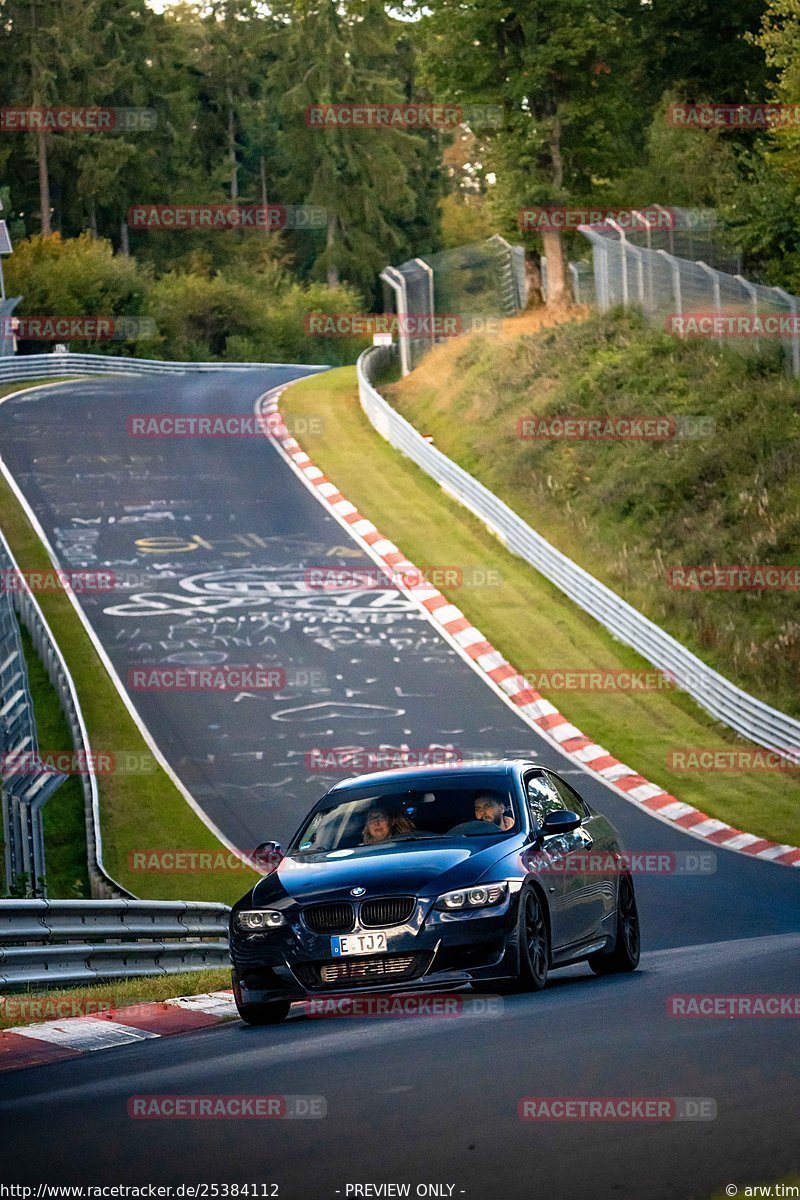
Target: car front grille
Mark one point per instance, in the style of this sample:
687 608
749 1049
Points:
362 971
330 918
388 910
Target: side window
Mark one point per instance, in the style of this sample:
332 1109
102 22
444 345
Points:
542 797
572 800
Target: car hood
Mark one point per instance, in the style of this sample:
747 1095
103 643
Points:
383 870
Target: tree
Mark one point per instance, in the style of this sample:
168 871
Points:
43 43
230 59
762 211
365 178
118 73
558 72
707 50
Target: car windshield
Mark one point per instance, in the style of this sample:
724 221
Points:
474 807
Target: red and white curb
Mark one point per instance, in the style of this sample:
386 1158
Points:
538 712
54 1041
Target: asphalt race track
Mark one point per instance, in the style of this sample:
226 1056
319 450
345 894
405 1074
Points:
212 540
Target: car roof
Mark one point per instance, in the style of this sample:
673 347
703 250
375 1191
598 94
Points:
501 767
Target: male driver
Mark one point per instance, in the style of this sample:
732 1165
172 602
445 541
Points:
490 807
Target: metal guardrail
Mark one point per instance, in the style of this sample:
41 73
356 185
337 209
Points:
25 783
742 712
46 648
59 942
36 366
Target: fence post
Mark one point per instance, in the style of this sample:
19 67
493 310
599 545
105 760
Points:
515 298
792 302
638 254
429 272
645 221
543 275
604 274
676 281
623 247
649 243
714 275
576 282
751 291
670 227
520 277
10 865
394 279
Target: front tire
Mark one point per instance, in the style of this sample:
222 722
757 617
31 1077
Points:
264 1014
270 1012
534 942
625 955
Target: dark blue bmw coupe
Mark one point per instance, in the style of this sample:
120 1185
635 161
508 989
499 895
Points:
434 878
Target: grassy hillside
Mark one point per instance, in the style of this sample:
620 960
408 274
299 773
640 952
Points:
629 511
528 619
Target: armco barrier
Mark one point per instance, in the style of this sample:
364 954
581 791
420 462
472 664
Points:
26 785
32 617
43 366
57 942
745 714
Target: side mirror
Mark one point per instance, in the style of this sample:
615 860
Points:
560 822
267 856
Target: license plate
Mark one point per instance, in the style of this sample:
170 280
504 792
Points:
358 943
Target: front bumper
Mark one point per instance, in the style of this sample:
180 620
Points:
432 949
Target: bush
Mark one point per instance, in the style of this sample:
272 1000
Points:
252 310
229 318
76 277
196 315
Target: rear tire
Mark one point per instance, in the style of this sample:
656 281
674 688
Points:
625 955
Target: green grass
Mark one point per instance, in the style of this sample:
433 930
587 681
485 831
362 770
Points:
628 511
30 1007
137 812
532 623
6 389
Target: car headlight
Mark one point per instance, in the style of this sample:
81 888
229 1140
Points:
474 897
251 920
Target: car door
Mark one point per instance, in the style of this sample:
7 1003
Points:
599 887
558 862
